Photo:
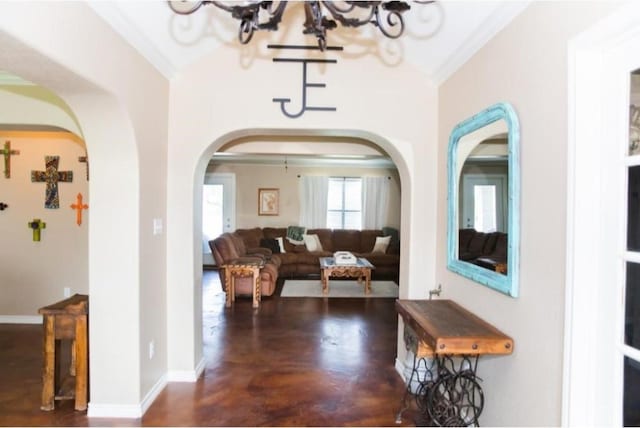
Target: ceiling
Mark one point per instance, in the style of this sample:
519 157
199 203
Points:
438 39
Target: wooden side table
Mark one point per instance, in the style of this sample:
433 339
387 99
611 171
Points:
242 269
65 320
439 332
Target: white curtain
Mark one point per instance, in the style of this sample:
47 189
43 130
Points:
314 191
375 201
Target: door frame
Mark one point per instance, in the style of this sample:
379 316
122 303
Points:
597 129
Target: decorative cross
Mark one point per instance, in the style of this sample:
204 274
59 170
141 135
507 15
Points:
79 206
52 176
85 159
36 225
3 206
7 152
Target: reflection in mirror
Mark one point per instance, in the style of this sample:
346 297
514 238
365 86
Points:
483 184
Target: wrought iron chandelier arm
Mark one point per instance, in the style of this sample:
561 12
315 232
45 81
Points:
393 18
339 14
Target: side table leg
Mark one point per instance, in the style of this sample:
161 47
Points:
227 286
367 281
256 288
81 367
48 365
325 281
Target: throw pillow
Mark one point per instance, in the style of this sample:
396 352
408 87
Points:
271 244
382 242
295 232
281 244
312 242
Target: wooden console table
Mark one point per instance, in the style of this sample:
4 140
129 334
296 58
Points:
446 341
242 269
65 320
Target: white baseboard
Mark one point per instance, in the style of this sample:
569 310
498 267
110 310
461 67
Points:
129 411
186 375
153 393
20 319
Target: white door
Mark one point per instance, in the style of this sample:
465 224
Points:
218 210
484 202
602 340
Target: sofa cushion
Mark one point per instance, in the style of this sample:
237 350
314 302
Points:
348 240
325 236
251 237
381 245
368 240
477 243
312 242
271 244
296 232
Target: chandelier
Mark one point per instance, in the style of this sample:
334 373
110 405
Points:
266 15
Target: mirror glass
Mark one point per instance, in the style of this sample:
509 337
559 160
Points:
483 198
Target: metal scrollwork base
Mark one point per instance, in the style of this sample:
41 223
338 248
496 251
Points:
445 387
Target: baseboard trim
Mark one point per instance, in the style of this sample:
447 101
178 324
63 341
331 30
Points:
153 393
20 319
187 375
129 411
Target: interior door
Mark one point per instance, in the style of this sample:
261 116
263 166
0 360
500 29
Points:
483 202
218 210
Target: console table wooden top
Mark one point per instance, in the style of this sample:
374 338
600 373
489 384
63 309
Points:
448 328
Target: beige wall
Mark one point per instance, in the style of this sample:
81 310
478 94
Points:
249 178
34 274
525 65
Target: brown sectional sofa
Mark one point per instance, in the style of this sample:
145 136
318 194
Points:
296 261
483 249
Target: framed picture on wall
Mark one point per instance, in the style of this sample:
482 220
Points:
268 201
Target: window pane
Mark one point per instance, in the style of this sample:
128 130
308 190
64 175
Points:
353 194
631 406
352 220
632 303
334 220
633 209
334 201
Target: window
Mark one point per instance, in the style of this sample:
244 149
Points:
344 203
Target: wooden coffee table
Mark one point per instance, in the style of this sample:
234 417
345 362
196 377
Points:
361 270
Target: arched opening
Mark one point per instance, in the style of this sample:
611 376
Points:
312 136
107 130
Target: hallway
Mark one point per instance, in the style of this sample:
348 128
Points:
292 362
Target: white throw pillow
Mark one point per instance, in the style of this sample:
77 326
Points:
382 242
281 244
312 242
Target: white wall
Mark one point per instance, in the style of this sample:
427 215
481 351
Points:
393 106
121 104
34 274
525 65
249 178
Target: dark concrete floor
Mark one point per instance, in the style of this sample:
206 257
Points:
292 362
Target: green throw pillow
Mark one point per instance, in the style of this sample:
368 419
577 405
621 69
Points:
296 232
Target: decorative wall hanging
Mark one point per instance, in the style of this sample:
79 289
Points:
3 206
36 225
85 160
305 85
268 201
7 152
52 176
79 206
634 130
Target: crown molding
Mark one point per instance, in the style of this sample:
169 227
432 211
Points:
491 26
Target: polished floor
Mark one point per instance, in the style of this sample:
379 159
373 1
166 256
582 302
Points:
292 362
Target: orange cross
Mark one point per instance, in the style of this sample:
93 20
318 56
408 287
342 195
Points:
79 206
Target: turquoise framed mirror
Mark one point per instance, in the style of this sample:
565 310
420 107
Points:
483 226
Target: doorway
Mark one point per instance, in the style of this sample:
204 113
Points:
218 210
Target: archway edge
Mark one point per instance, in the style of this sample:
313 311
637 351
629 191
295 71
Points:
189 365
